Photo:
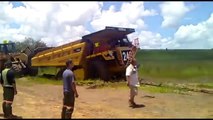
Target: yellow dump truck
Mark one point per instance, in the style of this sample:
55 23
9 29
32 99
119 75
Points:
102 54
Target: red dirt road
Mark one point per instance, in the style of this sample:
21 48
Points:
45 101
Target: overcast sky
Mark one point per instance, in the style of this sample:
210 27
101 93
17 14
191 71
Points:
158 25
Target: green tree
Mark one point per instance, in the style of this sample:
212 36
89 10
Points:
31 43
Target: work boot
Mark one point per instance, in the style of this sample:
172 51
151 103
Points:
8 112
7 109
13 117
3 108
63 113
68 114
132 103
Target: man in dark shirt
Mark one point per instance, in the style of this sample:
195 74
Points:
9 90
70 92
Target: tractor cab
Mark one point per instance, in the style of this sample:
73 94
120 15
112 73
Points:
7 47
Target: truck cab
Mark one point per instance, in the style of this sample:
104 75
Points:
108 49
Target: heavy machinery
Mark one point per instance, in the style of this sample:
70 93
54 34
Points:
8 53
102 54
21 61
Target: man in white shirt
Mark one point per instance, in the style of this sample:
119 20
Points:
132 81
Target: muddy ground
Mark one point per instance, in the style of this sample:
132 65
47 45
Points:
45 101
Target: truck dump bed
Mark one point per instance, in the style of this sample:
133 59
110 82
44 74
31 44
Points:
59 55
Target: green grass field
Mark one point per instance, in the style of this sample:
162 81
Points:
180 65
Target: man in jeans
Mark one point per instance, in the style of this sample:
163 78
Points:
132 81
70 92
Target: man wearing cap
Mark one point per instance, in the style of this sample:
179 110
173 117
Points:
69 90
9 90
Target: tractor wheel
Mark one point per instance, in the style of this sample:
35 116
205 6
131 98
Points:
102 70
32 71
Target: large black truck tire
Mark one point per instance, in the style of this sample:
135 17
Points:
100 69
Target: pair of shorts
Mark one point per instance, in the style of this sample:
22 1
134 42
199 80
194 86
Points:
8 93
133 90
69 99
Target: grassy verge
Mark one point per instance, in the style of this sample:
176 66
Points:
165 88
98 84
37 80
162 89
206 85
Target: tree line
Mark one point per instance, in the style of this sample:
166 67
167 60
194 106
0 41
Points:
29 42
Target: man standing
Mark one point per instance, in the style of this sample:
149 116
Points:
70 91
132 81
9 90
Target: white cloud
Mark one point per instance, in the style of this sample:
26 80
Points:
57 23
196 36
54 22
129 15
173 12
150 40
